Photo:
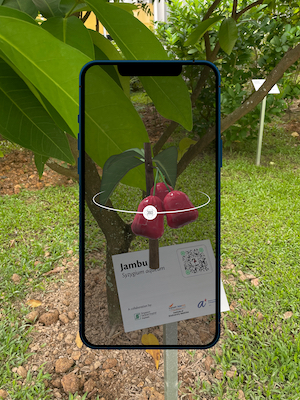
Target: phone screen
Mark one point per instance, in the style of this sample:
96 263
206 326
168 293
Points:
149 167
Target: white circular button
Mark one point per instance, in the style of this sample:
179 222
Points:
149 212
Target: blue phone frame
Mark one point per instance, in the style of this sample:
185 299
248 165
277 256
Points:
147 63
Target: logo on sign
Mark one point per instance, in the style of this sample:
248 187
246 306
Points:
137 316
202 303
177 307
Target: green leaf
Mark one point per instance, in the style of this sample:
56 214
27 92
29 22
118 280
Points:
193 51
228 34
26 6
137 42
40 163
141 152
111 122
126 6
44 102
198 32
167 163
105 50
72 32
48 8
15 13
111 70
53 69
184 145
24 121
67 6
115 168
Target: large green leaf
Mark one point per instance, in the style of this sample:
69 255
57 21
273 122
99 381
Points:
105 50
71 31
115 168
169 94
23 120
167 163
42 99
126 6
228 34
113 125
40 163
11 12
49 64
48 8
198 32
67 6
111 122
26 6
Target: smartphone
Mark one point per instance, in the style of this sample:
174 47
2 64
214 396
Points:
149 170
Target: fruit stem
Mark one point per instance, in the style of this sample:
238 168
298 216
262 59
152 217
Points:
155 181
163 178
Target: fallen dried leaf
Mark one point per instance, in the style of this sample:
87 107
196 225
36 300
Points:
54 271
78 341
295 134
151 340
33 303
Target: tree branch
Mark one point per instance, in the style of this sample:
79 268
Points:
234 8
286 62
70 172
164 137
211 9
247 8
207 46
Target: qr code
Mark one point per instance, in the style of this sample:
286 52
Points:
194 261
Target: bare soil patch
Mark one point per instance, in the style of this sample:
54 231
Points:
110 374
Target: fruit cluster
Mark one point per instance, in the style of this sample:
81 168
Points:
164 200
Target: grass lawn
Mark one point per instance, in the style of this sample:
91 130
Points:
260 233
260 229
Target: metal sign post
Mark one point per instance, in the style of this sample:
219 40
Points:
170 361
257 83
169 330
261 129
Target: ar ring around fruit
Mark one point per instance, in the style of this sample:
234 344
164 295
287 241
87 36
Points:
150 212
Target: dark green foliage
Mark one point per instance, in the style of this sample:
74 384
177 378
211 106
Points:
265 34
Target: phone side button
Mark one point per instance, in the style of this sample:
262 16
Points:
221 153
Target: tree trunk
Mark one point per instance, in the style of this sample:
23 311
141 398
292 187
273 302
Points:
117 233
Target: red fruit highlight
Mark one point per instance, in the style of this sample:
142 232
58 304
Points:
177 200
149 228
161 190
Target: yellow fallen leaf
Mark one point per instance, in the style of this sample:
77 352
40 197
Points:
78 341
184 145
33 303
295 134
150 340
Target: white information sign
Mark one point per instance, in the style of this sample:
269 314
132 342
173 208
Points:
183 287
